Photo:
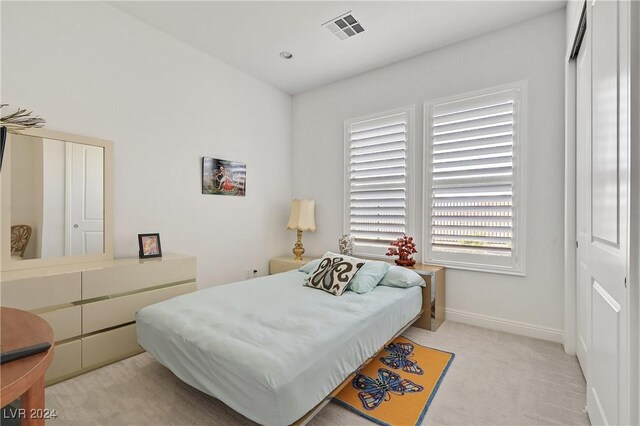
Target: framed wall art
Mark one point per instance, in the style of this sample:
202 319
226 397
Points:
223 177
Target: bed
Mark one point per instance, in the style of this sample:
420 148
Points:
271 348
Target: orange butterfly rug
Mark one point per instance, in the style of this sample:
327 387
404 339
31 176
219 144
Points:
398 385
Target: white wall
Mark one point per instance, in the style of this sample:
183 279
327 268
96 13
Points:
90 69
532 50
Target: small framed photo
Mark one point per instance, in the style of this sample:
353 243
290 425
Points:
149 245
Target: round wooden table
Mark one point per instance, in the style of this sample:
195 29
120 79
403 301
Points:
24 377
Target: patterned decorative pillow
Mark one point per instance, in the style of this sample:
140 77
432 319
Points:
334 273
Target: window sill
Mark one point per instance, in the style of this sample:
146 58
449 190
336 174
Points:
518 272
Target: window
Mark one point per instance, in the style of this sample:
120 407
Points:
475 203
377 184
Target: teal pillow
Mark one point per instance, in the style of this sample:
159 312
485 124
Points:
368 276
310 266
398 276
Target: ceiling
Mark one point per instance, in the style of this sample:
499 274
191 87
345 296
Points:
250 35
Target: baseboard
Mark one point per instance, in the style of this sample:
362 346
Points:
501 324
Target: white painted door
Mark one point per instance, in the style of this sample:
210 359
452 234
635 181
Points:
85 199
583 216
607 202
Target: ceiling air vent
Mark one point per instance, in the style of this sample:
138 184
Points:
344 26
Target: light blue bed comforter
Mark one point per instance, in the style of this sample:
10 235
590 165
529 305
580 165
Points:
271 348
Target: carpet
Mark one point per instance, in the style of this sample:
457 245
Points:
496 379
397 387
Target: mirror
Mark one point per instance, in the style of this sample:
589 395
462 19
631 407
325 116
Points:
56 199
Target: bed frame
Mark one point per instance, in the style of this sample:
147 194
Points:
426 319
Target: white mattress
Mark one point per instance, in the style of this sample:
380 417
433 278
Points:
271 348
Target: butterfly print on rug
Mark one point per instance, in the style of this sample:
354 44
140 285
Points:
374 391
399 358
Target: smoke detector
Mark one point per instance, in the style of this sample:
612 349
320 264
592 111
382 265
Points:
344 26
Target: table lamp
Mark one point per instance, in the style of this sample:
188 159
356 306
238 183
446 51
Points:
302 218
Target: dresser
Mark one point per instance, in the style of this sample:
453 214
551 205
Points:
91 306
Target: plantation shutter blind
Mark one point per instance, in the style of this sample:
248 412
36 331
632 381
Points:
472 175
377 184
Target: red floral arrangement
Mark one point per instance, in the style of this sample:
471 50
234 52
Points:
403 247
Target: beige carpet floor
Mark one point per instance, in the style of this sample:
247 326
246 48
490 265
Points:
495 379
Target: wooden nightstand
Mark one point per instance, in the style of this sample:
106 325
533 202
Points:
434 276
287 263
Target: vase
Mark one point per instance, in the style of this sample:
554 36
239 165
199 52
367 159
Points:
405 262
346 244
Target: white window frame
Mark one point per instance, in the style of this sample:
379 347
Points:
411 160
477 262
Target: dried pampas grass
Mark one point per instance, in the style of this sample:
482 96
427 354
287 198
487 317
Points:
20 120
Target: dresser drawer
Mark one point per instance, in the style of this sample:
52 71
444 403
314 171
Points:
67 359
137 276
109 346
65 322
119 310
37 292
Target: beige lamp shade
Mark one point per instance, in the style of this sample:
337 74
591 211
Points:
302 216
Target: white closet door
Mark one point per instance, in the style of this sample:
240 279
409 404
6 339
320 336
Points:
583 212
607 247
85 199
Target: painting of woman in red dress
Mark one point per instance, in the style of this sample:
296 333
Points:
223 177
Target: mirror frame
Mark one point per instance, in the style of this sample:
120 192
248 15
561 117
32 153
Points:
6 264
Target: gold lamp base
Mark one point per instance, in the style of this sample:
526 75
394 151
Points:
298 249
